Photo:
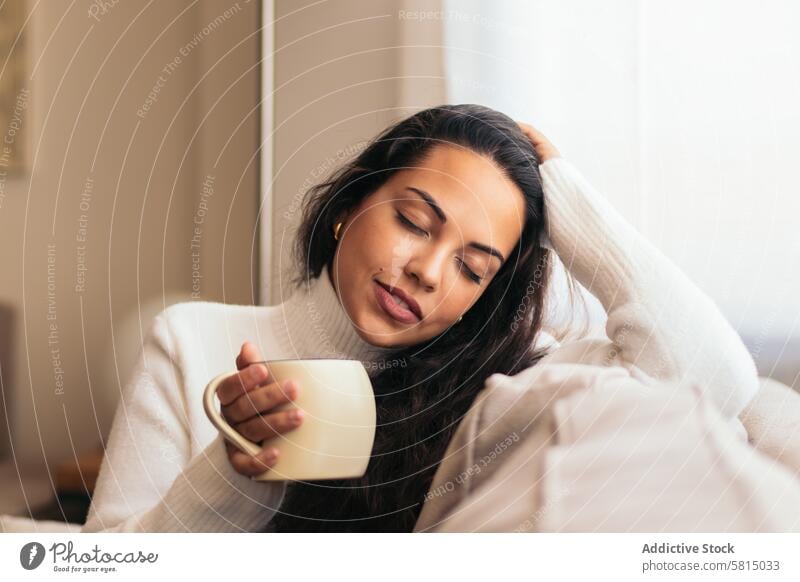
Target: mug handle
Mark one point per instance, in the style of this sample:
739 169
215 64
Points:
216 418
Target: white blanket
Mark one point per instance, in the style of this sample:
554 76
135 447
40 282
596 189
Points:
617 460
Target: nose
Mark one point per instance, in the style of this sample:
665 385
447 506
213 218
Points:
426 267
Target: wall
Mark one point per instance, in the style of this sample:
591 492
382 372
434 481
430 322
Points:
100 231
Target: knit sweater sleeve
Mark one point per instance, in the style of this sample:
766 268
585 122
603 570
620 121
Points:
659 322
149 482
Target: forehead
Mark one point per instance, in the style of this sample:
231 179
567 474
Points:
475 194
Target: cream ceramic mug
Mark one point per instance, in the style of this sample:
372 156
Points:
336 437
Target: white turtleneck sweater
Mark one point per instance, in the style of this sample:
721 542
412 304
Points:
166 467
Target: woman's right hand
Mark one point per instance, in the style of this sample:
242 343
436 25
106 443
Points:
248 399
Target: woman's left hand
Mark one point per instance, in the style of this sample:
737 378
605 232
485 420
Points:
545 150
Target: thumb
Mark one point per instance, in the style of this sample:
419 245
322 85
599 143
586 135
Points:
248 354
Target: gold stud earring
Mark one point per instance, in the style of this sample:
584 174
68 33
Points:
336 230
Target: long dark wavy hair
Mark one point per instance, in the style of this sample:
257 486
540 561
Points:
421 404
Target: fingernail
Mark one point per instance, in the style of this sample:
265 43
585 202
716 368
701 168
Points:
270 454
290 388
258 373
296 414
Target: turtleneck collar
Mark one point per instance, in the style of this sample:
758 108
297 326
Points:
314 324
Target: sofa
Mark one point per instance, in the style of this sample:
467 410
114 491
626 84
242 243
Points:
490 480
633 462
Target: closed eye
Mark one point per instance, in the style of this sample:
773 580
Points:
405 221
469 273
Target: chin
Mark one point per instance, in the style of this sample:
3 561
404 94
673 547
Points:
379 333
382 338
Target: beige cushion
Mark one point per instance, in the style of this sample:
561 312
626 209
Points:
618 456
772 421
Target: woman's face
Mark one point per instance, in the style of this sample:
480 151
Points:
443 259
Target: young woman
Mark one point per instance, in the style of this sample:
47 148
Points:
423 258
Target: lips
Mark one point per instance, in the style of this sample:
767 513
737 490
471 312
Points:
397 304
408 299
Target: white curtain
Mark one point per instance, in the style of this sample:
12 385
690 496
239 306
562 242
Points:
685 114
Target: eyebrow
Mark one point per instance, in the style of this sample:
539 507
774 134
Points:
431 201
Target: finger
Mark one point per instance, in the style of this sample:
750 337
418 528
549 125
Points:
251 465
532 133
543 146
268 426
235 385
248 354
260 400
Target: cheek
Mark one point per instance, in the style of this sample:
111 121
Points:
377 241
452 305
462 298
362 240
456 299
